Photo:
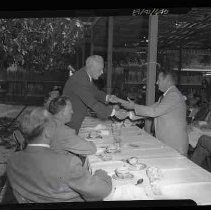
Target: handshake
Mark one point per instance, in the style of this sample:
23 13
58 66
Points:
122 114
130 105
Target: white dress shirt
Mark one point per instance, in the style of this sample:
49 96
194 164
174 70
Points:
39 145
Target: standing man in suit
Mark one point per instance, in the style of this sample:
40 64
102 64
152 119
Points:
83 93
169 113
39 174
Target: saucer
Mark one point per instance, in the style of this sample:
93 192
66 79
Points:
129 177
137 167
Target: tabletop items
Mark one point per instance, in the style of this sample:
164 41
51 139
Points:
143 168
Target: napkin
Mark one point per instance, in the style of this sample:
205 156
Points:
194 136
99 127
128 192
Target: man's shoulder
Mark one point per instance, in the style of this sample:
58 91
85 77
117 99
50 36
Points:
79 77
60 128
174 91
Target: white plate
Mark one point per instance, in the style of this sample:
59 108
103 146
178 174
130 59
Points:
137 167
131 176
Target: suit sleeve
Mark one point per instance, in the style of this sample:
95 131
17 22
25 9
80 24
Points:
158 109
90 187
67 140
100 95
85 92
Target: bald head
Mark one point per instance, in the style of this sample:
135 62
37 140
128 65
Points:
94 59
94 66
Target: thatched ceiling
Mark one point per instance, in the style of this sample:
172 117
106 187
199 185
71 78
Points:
190 31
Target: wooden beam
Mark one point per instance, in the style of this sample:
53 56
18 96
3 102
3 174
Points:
152 60
109 54
120 49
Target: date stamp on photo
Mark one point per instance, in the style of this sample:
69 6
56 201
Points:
153 11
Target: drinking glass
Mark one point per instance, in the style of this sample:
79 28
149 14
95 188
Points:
116 133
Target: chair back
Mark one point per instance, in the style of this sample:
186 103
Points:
20 140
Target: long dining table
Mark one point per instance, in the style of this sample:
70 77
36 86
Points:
179 177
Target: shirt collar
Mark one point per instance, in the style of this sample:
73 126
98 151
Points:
39 145
168 90
90 78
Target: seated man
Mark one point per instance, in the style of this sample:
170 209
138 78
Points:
198 128
39 174
202 112
64 138
202 153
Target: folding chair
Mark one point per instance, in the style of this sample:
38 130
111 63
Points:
20 140
8 196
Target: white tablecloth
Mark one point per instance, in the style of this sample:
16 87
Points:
181 178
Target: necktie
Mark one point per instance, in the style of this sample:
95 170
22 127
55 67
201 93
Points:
161 98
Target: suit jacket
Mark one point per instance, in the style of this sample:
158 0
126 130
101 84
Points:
39 174
83 94
170 119
66 140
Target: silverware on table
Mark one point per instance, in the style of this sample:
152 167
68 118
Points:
140 181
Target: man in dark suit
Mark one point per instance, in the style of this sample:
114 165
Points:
169 113
83 93
39 174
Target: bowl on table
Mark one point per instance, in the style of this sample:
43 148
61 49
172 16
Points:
123 173
135 164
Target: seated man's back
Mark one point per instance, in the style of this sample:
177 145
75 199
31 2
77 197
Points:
39 174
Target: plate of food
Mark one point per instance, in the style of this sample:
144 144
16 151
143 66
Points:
94 135
104 157
113 148
135 164
122 173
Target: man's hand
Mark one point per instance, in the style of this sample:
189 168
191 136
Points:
133 116
113 99
121 114
128 105
101 172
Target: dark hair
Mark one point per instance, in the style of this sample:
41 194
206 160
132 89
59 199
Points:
34 122
170 73
57 104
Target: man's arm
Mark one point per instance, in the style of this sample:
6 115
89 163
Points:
67 140
100 95
90 187
85 92
166 105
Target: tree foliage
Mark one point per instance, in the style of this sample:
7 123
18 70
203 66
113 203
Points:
39 44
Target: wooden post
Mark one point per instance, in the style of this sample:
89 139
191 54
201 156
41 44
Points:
92 42
151 68
109 54
179 65
77 59
83 53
